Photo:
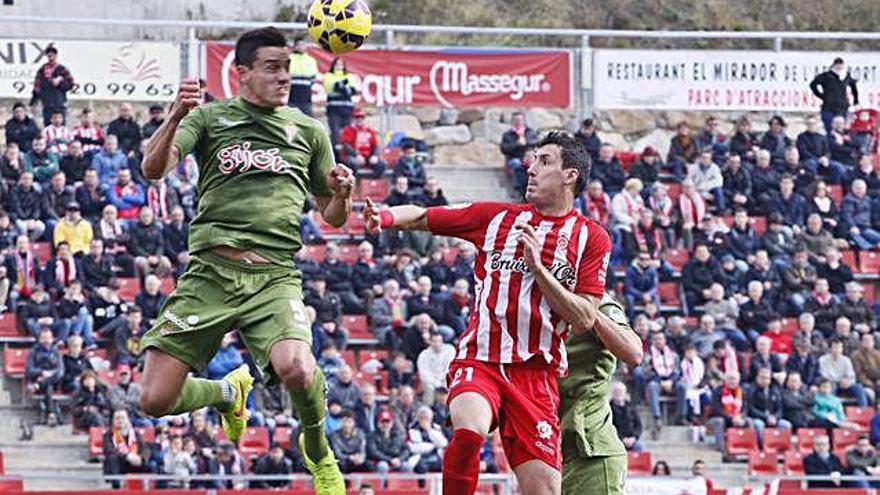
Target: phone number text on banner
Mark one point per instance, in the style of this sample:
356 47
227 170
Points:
722 80
449 78
102 70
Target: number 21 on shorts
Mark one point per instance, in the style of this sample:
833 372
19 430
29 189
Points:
468 375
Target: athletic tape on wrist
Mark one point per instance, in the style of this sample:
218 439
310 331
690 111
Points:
386 219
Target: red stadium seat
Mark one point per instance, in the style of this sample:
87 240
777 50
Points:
283 436
375 189
12 484
254 441
147 433
870 294
639 463
842 439
43 251
668 292
9 326
316 252
677 258
762 463
408 484
759 224
793 462
848 258
96 441
348 253
806 436
168 285
869 261
14 362
356 225
790 326
326 228
348 357
740 441
627 158
357 326
777 440
129 288
860 415
835 192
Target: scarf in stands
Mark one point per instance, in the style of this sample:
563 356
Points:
26 273
663 361
731 400
663 208
729 362
124 444
110 231
599 209
157 198
692 372
822 299
692 207
396 306
634 207
649 239
65 271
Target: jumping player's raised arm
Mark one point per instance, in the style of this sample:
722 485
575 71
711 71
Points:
168 144
330 184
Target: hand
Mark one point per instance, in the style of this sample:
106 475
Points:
531 248
823 160
152 259
374 160
341 180
134 459
371 218
629 441
846 382
771 420
57 80
189 95
395 463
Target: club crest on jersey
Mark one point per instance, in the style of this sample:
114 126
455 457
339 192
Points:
290 131
242 158
562 241
545 431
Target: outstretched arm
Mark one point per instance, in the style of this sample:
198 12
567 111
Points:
404 217
161 154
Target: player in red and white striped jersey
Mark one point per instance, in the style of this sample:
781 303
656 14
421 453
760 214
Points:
57 135
540 271
90 135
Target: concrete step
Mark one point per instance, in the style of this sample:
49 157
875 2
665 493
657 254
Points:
473 183
675 446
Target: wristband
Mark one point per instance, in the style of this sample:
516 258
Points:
386 219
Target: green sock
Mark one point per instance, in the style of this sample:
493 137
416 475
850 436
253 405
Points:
198 393
310 404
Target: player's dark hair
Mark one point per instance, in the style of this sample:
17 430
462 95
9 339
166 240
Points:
249 42
837 61
573 155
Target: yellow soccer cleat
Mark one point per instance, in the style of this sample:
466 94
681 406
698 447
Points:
325 473
235 419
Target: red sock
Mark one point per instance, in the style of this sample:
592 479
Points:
461 463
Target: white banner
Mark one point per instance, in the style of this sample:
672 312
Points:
664 485
722 80
102 70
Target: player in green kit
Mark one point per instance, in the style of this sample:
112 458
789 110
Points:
593 457
258 159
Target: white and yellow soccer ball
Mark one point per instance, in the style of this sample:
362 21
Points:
340 26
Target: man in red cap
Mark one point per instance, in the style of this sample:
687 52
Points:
360 147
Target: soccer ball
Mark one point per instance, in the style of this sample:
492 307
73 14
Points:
339 26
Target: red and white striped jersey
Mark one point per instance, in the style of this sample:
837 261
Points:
57 138
511 321
91 137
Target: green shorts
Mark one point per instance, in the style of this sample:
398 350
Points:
594 475
217 295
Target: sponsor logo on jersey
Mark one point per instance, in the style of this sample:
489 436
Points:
241 158
179 322
560 270
229 123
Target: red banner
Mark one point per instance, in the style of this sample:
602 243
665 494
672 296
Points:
450 78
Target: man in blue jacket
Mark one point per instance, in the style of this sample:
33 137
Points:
640 284
109 161
44 370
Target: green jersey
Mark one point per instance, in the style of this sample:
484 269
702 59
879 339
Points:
585 410
256 167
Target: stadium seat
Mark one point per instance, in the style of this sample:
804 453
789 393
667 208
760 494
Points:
860 415
869 262
777 440
254 442
668 292
43 251
283 436
168 285
96 441
326 228
9 329
793 462
375 189
14 362
639 463
677 258
356 226
147 433
12 484
316 252
835 192
408 484
806 437
357 326
740 441
348 357
870 294
848 258
129 287
627 158
841 439
759 224
790 326
763 463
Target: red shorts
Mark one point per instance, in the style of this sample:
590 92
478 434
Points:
525 401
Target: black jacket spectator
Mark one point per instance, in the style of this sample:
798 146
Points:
742 242
150 304
42 359
25 204
73 368
837 277
413 170
146 240
96 272
55 202
816 464
365 275
697 276
115 461
764 402
436 199
772 361
432 305
813 145
807 364
754 316
626 420
871 178
610 174
128 133
328 306
591 143
644 172
90 407
684 150
75 166
176 239
267 465
793 209
91 200
831 89
764 182
775 144
510 146
21 132
383 447
338 275
797 407
859 313
777 243
742 143
737 182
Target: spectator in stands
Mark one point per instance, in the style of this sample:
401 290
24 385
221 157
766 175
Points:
626 418
804 362
350 446
645 169
424 300
692 211
75 363
662 375
330 360
831 87
368 410
328 306
338 275
708 180
775 141
344 389
56 134
126 129
595 203
273 462
683 150
765 404
798 280
160 198
21 129
433 195
388 313
23 270
433 365
641 282
26 207
340 85
366 273
176 234
843 331
765 180
797 402
861 460
823 462
518 140
608 170
91 136
728 408
230 463
742 241
127 196
90 402
111 230
97 269
426 442
55 200
150 299
790 204
737 183
843 149
865 171
410 166
124 450
405 406
866 364
818 242
39 313
857 310
828 407
586 134
764 358
698 275
109 161
61 270
709 136
157 116
12 163
725 312
815 153
360 145
706 336
41 162
126 395
627 207
693 372
744 142
147 244
780 342
838 369
387 447
92 196
824 306
178 462
127 331
51 85
74 230
8 234
44 371
228 358
73 308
